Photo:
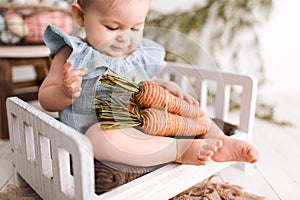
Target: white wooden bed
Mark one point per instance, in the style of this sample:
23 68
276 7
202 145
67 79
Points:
41 145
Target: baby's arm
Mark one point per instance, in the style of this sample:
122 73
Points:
132 147
61 86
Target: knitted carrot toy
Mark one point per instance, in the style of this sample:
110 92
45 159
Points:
155 110
153 121
150 94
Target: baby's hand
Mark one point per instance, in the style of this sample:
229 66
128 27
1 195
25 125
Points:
175 89
72 80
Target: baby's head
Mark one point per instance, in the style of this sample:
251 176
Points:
114 27
103 4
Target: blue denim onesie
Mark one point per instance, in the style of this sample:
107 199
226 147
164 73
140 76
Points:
144 63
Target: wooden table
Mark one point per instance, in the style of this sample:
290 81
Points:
16 56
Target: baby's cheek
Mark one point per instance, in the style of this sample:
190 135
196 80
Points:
136 38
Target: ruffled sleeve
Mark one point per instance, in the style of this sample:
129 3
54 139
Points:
55 39
82 54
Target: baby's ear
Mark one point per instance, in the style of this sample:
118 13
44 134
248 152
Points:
78 13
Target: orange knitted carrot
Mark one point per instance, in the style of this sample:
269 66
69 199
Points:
153 121
155 109
159 123
150 94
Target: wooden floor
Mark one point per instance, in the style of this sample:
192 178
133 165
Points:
275 176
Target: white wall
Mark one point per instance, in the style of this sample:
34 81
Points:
281 47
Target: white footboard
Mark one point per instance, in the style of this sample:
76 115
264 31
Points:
43 147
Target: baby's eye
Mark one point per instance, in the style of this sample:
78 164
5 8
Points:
112 28
136 29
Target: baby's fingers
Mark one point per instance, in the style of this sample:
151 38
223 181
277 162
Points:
67 67
72 86
75 72
73 81
80 72
178 93
73 92
190 99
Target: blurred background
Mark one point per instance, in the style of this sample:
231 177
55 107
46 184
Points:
275 23
254 37
258 38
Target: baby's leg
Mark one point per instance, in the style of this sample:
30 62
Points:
130 146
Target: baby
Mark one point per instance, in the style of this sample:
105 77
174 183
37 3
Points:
114 40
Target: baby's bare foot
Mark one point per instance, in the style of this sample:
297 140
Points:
235 150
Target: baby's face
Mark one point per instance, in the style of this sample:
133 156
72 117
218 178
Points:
118 31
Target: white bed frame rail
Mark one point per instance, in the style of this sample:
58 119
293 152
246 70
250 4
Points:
42 146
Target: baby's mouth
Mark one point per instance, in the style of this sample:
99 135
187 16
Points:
119 47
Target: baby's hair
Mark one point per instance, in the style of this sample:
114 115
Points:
84 3
104 4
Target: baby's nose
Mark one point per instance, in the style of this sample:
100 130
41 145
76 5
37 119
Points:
124 36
